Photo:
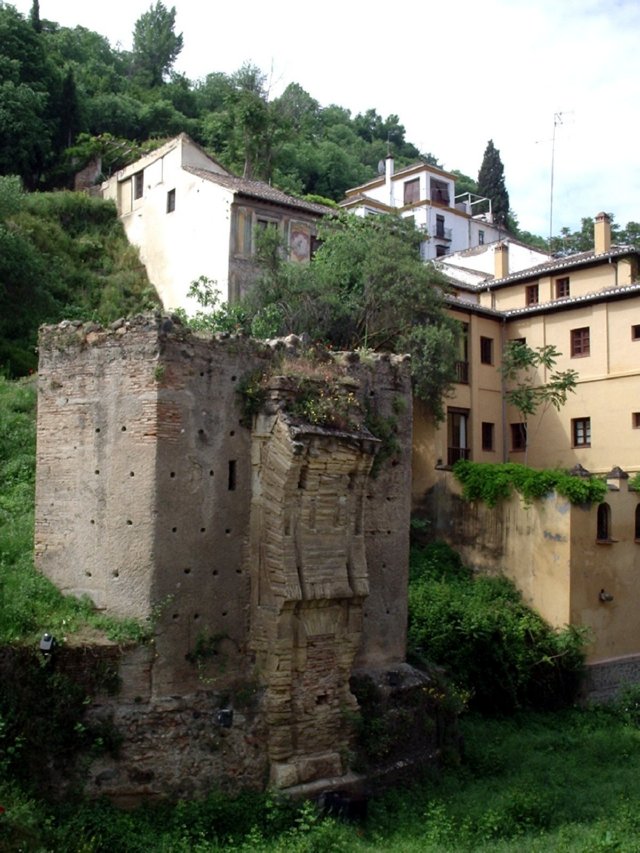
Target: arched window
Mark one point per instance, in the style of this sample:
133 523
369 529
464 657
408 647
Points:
637 532
603 533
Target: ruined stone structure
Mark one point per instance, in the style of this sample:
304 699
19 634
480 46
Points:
269 563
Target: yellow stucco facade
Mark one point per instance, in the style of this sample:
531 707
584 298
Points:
587 307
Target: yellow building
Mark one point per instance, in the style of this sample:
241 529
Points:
588 307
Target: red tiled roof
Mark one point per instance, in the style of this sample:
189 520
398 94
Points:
260 190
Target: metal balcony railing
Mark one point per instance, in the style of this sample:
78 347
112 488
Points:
442 233
455 453
462 372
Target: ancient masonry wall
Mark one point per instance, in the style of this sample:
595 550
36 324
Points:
267 560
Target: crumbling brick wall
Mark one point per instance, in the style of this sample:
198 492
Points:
158 500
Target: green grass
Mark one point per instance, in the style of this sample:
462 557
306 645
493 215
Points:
566 782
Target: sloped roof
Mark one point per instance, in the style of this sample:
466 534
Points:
260 190
609 294
568 263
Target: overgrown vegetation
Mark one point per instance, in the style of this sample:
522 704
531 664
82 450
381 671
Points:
366 288
499 653
62 255
491 483
535 782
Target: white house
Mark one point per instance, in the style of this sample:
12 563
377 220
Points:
190 217
427 194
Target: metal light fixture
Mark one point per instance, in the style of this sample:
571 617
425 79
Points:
224 718
47 645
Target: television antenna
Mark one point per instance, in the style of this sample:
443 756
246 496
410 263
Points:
557 121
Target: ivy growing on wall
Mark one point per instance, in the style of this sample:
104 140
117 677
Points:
491 483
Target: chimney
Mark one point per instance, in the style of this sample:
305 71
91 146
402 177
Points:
501 260
602 234
389 168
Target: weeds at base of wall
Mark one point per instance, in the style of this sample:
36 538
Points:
418 722
42 715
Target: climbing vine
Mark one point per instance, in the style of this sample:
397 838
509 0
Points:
491 483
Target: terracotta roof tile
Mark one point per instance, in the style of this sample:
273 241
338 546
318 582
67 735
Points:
258 189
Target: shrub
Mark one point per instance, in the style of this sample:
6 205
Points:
495 648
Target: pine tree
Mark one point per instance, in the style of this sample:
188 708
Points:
491 183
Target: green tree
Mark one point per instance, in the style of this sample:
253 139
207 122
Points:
34 16
521 367
155 44
28 85
491 183
366 287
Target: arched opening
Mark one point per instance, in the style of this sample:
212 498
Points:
603 533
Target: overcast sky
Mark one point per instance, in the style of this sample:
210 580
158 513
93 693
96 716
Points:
457 73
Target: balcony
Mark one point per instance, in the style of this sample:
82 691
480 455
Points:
456 453
441 233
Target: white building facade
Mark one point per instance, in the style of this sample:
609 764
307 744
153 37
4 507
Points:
428 195
190 218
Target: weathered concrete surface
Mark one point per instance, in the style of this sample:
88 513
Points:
552 551
266 559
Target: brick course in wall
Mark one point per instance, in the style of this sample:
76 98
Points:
268 560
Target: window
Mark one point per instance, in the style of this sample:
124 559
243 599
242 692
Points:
439 191
635 333
412 191
462 363
635 420
518 436
522 341
171 201
440 251
242 231
580 342
457 435
562 288
486 350
487 435
315 245
603 523
531 294
637 525
581 432
440 226
138 184
480 238
262 226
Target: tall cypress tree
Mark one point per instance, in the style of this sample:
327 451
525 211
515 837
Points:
34 16
491 183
